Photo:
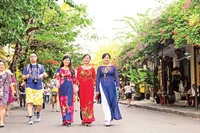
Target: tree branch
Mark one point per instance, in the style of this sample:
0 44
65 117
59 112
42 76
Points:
40 44
32 29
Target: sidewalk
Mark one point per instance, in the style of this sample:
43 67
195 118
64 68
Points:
172 109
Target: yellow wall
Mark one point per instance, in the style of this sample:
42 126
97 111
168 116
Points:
192 67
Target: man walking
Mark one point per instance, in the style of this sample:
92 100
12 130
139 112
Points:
34 73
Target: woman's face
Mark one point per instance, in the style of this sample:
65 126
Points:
86 60
106 59
2 66
66 62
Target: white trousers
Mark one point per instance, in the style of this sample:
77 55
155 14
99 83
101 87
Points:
105 106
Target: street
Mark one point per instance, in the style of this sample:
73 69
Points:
135 120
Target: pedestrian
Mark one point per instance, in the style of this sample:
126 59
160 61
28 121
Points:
65 79
128 92
43 104
122 92
5 83
133 90
12 93
190 98
54 95
107 83
22 94
33 72
86 80
47 93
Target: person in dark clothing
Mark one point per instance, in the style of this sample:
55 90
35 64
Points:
22 94
176 77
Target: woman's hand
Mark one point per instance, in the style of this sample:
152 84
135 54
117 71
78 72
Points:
74 86
97 96
14 94
117 87
97 93
57 84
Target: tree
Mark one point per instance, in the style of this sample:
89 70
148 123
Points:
113 49
176 23
40 23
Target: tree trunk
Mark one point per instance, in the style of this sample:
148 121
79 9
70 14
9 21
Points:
15 58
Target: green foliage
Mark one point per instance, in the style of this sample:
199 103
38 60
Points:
42 26
113 49
178 23
140 76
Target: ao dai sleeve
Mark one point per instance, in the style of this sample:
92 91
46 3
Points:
116 76
58 74
93 76
98 80
9 79
42 70
78 75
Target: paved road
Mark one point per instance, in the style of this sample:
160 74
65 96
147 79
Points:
135 120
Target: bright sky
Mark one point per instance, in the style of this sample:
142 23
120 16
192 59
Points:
104 12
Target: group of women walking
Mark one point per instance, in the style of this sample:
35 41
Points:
106 81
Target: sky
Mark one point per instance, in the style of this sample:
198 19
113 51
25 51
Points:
104 12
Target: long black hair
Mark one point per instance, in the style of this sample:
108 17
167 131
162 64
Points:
70 65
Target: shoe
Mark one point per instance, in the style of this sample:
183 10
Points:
57 110
2 125
64 123
88 124
68 124
83 123
38 117
7 114
108 124
30 122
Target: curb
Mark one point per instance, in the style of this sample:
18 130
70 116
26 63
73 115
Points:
170 111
